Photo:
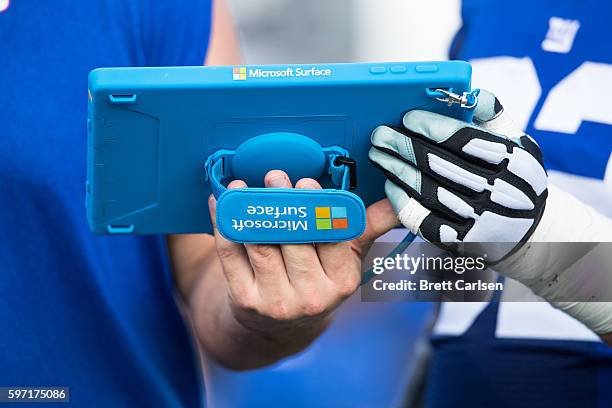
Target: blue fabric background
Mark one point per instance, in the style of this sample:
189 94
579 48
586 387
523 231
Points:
95 314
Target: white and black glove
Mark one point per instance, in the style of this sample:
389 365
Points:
451 181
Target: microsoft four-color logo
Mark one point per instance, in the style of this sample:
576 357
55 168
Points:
240 74
331 218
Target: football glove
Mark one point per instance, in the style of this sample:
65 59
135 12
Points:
452 181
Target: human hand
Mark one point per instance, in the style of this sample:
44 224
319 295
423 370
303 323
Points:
277 290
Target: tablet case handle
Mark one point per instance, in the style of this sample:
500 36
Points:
265 215
343 169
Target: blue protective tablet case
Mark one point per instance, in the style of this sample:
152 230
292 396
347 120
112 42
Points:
151 131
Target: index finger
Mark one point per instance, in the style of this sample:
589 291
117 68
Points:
233 257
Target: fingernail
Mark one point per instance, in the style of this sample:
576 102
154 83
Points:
279 181
308 184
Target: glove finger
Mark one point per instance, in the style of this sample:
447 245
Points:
431 160
433 127
458 142
446 233
409 210
453 212
429 225
490 115
488 108
420 154
395 143
394 167
488 153
439 214
444 197
414 184
452 135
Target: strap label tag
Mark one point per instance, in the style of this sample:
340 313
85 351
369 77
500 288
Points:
289 216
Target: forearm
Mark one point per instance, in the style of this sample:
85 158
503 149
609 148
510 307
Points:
579 264
227 340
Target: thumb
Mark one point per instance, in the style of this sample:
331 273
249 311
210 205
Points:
380 219
488 108
492 117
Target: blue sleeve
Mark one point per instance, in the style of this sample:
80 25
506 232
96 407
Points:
470 10
176 32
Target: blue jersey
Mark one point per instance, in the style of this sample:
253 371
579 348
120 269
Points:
550 63
96 314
